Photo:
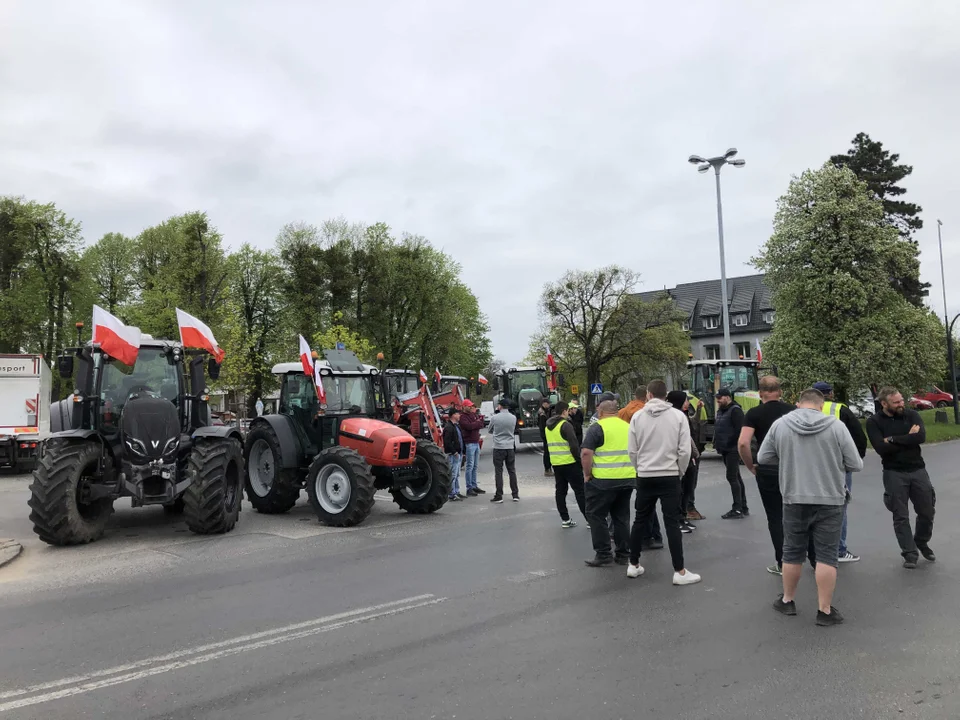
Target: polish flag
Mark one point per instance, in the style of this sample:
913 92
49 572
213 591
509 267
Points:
759 351
115 339
306 357
482 380
550 362
194 333
423 377
437 375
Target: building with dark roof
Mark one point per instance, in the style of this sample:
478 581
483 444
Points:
751 314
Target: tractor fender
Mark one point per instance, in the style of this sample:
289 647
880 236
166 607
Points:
218 431
73 434
287 437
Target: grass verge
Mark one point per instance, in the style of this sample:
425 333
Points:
936 432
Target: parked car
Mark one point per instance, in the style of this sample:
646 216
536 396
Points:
486 412
920 404
862 404
935 396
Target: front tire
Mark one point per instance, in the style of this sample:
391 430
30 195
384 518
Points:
270 489
435 475
59 516
211 504
341 487
943 404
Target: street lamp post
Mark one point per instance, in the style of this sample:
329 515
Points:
953 375
703 166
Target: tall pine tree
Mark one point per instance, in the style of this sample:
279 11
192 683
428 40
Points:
882 171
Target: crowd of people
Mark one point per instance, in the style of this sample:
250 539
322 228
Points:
803 457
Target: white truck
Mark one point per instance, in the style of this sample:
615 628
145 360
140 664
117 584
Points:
24 409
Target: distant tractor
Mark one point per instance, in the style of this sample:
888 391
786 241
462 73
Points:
136 432
524 389
341 453
707 377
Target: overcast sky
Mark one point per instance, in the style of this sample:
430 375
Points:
524 138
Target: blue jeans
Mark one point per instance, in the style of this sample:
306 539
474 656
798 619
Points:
454 459
473 459
843 525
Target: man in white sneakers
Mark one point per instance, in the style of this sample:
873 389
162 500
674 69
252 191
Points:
659 446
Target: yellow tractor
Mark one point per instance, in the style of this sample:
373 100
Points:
707 377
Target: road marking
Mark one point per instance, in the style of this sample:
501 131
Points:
142 669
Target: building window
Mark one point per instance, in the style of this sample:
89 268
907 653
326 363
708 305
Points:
685 325
743 350
741 320
711 323
712 351
769 316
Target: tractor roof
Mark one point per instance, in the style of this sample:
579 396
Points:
723 363
524 368
453 377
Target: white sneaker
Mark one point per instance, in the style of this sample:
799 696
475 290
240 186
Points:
634 571
688 578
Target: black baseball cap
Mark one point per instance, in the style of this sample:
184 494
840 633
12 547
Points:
606 397
724 392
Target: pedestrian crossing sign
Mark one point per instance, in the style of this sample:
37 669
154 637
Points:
596 388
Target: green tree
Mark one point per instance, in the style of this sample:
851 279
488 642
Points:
882 172
828 265
352 340
110 263
599 330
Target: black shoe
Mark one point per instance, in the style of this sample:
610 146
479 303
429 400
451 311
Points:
733 515
789 608
497 499
454 498
479 491
461 496
622 560
472 493
927 553
746 512
910 562
834 618
652 545
599 561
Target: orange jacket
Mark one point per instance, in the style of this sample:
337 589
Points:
630 410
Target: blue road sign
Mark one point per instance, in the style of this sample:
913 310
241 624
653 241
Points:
596 388
341 346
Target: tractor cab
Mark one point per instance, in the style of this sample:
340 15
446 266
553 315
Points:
708 376
447 383
524 389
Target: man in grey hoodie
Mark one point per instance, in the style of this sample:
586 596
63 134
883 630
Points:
814 452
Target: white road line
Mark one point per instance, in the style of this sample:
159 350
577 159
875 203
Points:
206 653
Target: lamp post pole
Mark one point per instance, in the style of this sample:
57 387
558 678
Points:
953 375
703 165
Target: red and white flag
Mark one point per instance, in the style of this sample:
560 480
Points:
550 362
311 370
759 351
194 333
437 376
115 339
482 380
423 377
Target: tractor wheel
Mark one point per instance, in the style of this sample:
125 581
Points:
59 516
434 486
175 507
340 487
211 503
270 489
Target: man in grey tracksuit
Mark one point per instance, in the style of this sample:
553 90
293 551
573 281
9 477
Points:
814 452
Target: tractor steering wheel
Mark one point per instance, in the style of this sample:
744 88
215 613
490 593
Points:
137 389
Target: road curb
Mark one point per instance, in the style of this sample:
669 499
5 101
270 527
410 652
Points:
9 551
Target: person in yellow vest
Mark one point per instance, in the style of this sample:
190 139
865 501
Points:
564 451
842 413
609 478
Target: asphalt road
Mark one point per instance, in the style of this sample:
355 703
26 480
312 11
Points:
479 611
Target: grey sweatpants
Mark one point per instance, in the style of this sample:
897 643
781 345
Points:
900 488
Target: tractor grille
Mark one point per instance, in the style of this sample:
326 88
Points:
403 450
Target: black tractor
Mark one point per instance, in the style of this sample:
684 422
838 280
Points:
135 432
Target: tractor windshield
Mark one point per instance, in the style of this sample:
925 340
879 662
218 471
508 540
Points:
448 384
153 373
349 394
401 383
529 380
738 378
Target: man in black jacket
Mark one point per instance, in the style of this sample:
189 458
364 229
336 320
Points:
897 433
454 448
542 416
726 434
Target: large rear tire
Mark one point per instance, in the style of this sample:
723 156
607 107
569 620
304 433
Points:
211 504
270 489
58 515
436 480
341 487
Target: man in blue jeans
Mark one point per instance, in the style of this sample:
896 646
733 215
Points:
454 448
471 423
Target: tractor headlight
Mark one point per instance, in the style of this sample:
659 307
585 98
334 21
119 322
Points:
171 447
136 447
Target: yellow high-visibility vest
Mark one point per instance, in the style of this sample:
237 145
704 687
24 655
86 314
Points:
832 408
611 461
558 448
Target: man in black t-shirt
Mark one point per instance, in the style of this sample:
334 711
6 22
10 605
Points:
756 425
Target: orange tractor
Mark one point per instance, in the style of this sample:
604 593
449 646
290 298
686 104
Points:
338 450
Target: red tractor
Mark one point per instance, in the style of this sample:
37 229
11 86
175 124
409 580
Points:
340 452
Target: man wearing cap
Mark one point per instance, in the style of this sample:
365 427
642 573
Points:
470 425
503 427
842 413
726 434
576 419
565 456
609 478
